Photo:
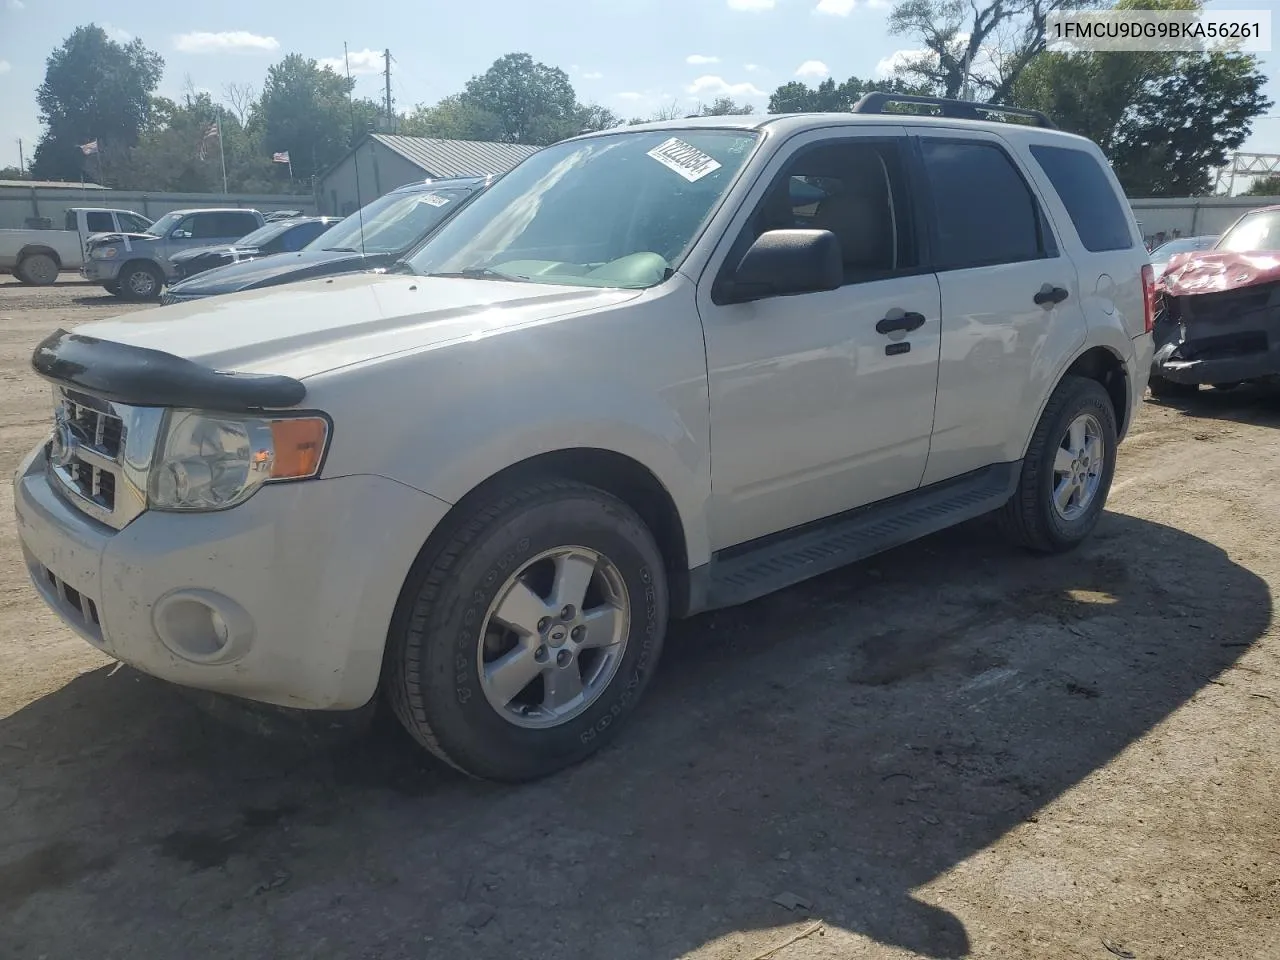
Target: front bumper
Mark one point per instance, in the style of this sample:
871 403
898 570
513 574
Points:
101 271
1220 337
304 578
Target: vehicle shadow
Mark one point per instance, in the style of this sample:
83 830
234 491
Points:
1248 403
845 742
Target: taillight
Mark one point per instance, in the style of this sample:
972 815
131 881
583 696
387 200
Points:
1149 296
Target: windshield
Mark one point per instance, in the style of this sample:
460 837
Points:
1254 232
393 223
1183 245
166 223
619 210
264 234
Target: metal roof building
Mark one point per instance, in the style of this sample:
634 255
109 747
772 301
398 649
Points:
381 162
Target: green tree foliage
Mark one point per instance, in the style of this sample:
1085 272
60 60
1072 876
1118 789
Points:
12 173
1165 120
1262 187
94 88
305 109
828 97
725 107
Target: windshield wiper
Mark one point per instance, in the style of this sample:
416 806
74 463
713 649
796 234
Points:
402 266
339 249
480 273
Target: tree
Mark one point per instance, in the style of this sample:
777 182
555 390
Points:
1164 119
827 97
724 107
306 110
983 46
12 173
1262 187
94 89
456 117
533 103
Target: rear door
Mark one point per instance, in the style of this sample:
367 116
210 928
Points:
1010 298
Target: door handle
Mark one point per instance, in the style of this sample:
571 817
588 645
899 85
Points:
898 320
1050 295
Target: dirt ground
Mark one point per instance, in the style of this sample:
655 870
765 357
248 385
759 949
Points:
951 751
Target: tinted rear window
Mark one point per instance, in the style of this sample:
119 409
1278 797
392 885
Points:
1086 192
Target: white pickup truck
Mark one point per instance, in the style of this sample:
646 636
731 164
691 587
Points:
37 256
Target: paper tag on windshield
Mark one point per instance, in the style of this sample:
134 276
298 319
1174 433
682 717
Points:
685 159
435 199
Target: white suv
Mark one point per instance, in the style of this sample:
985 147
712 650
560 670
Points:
651 372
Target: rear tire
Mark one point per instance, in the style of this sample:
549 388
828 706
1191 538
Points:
1162 389
1067 472
38 270
140 281
112 288
483 601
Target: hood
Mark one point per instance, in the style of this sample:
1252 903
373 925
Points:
222 249
101 238
274 269
1190 274
320 325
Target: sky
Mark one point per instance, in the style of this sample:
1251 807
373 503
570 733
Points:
632 56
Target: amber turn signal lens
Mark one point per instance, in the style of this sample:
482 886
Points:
299 443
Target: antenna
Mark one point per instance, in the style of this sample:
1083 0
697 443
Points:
355 155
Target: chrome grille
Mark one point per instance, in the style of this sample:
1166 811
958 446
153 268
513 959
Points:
99 455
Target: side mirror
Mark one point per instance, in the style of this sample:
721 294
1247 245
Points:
181 234
785 262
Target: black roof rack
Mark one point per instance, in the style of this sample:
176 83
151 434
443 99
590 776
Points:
955 109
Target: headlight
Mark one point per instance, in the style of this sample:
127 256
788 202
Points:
210 462
105 253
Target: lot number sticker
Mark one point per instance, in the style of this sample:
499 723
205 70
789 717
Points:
435 199
685 159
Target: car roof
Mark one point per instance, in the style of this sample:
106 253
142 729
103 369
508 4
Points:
423 186
789 123
185 210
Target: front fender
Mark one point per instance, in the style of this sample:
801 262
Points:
629 379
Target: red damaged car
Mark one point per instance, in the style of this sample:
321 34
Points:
1218 311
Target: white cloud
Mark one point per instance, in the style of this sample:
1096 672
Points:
751 67
836 8
812 68
230 41
363 63
593 75
890 65
5 66
117 34
752 4
700 58
719 87
630 95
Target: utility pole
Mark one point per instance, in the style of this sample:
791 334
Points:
22 163
387 72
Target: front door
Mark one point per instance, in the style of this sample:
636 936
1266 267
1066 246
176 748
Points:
813 410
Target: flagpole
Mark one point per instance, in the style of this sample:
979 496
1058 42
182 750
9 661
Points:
222 150
102 177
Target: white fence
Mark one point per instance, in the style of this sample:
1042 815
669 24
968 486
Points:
1193 216
20 205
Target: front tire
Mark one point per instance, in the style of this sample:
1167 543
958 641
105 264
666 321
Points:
1067 472
140 281
521 645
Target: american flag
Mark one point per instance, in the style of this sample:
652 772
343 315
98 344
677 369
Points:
90 147
212 131
281 157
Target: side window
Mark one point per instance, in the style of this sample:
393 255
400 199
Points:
1101 222
203 226
98 222
132 223
984 212
854 188
239 224
185 227
69 221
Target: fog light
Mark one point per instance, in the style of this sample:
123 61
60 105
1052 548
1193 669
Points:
203 626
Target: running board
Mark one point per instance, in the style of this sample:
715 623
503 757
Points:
781 560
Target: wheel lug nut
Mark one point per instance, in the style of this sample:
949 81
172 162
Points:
563 658
578 633
544 624
567 613
540 654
